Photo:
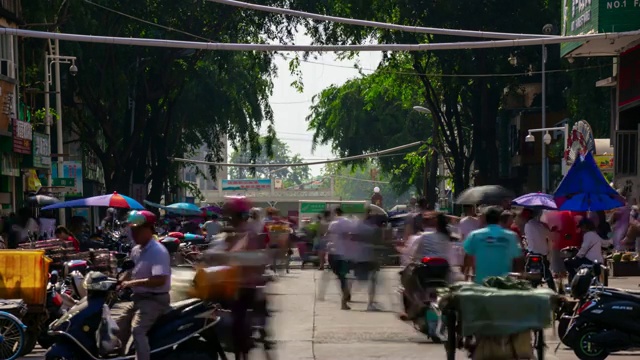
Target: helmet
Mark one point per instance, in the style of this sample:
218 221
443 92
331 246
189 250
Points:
141 217
236 205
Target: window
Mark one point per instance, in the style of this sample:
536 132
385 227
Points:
626 153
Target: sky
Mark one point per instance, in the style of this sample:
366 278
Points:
291 107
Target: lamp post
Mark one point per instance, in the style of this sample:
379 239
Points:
546 140
54 57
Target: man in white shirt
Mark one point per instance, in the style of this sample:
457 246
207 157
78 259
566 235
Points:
537 235
467 225
212 227
590 250
339 232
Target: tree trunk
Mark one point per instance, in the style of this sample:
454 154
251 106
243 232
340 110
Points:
432 195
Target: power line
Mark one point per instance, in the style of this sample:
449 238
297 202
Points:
413 73
178 44
381 25
348 158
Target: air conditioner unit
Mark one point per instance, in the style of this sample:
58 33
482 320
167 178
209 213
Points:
6 68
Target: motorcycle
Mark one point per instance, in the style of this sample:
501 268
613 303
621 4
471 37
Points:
534 269
606 321
185 332
424 279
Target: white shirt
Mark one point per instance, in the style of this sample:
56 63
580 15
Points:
467 225
212 228
591 247
536 234
339 230
431 243
407 254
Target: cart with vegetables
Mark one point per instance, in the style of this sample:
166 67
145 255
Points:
496 323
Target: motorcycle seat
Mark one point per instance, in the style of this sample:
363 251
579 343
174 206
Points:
625 294
195 241
176 310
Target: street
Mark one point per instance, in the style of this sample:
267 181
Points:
307 328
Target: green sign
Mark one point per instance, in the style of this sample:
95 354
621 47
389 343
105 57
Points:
64 182
353 208
580 17
41 151
312 207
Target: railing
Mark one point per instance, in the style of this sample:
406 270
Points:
626 153
13 7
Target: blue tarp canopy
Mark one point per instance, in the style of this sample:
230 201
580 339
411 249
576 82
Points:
584 188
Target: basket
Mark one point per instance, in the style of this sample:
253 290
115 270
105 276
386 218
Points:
216 283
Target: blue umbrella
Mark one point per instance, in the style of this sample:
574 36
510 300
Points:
536 201
584 188
186 209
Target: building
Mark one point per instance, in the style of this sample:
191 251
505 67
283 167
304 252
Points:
11 179
602 16
195 175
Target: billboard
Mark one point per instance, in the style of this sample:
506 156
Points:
629 83
246 184
581 17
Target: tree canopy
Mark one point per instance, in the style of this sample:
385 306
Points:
136 107
272 151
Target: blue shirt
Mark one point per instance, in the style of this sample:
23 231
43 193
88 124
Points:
494 249
151 260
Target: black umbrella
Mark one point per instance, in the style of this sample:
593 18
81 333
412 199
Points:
485 195
42 200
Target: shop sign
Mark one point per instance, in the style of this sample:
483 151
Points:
22 137
629 75
246 184
580 17
349 208
605 162
71 170
10 165
91 169
41 151
312 207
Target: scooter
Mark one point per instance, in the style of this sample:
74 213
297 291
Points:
54 310
426 277
185 332
607 320
534 269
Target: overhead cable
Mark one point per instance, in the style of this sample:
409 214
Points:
381 25
329 161
178 44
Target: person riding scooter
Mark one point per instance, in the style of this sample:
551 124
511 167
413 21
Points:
590 250
150 282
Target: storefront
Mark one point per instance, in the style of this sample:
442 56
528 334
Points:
607 16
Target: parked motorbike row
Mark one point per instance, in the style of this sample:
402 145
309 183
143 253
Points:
79 299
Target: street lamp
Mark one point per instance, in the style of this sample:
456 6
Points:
55 58
422 109
546 139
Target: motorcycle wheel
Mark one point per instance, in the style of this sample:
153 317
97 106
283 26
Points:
585 350
45 341
563 325
30 341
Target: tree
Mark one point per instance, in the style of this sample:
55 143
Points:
182 98
461 106
275 153
357 183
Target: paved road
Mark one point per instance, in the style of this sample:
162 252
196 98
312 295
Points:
307 328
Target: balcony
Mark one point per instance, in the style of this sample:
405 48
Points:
11 10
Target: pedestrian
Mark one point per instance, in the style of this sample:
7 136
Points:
364 257
468 224
493 247
212 227
339 232
150 282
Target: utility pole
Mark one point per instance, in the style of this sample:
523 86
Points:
59 123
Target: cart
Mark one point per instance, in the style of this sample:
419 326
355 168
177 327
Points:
24 275
496 324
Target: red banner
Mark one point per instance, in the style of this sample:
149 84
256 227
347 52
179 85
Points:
22 137
629 77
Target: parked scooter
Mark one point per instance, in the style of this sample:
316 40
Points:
534 269
54 310
185 332
607 320
421 299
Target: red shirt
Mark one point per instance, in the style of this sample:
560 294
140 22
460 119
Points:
76 243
